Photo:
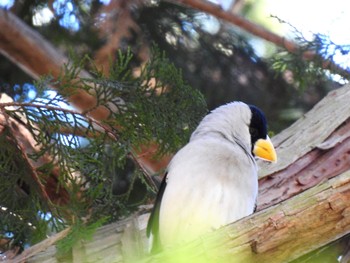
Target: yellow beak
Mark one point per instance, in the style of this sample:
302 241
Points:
264 149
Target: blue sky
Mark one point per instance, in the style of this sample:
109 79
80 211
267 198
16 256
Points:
330 18
317 16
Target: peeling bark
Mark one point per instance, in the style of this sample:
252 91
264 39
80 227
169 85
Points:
278 234
312 150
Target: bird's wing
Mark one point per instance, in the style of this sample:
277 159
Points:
153 222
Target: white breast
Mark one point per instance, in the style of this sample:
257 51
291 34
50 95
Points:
211 182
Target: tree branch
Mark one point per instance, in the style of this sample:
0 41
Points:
22 139
278 234
120 13
17 42
42 246
313 149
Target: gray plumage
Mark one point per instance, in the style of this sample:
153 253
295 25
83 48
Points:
211 181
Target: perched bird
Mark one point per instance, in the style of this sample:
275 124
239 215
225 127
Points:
213 180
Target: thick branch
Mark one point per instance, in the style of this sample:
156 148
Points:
313 149
278 234
27 49
36 56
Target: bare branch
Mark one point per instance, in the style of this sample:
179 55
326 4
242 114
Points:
42 246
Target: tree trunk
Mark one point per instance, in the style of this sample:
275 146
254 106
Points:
311 151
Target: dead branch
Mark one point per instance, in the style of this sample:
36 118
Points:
42 246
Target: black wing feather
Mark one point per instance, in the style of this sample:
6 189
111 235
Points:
153 222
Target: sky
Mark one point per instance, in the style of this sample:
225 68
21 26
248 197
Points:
330 18
318 16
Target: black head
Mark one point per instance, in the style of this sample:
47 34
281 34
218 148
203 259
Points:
258 125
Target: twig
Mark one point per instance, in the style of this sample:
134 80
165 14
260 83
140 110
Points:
96 123
42 246
108 131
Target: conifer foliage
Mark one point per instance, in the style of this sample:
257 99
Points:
58 164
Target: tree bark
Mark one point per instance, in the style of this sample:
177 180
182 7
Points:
313 149
278 234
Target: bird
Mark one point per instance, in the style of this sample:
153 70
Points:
213 180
